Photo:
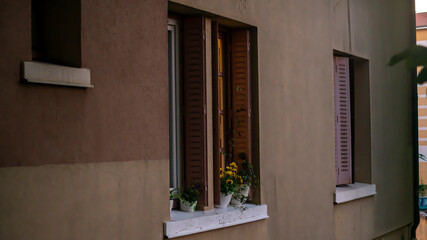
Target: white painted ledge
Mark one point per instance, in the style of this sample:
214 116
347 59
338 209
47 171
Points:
354 191
39 72
184 223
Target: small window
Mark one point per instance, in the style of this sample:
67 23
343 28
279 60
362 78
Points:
352 120
55 28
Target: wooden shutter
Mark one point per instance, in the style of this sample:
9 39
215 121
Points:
241 99
343 155
215 87
195 131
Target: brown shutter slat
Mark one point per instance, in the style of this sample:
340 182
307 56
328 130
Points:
216 155
195 131
343 151
241 104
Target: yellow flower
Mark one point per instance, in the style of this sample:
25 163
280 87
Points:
229 173
241 181
233 165
229 181
221 176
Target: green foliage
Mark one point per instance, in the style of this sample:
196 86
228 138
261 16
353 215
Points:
422 188
414 56
246 171
238 194
171 194
188 194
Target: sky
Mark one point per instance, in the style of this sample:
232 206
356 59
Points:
420 5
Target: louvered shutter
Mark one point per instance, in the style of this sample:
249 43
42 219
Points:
241 99
195 131
215 87
343 155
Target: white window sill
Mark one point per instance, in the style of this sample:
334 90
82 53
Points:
354 191
39 72
184 223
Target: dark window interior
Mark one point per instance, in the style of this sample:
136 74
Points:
55 29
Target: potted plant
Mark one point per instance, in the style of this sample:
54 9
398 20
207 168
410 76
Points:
188 198
248 180
171 197
228 179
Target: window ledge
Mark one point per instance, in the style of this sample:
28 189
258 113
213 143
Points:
184 223
354 191
38 72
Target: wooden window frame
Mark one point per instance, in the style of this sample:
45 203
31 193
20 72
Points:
209 191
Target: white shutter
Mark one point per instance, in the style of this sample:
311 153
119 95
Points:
342 121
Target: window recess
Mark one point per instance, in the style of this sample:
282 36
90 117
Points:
56 32
56 45
352 128
216 86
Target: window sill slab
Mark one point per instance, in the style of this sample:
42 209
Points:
39 72
354 191
184 223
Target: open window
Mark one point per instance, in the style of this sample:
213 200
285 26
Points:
210 102
352 128
213 114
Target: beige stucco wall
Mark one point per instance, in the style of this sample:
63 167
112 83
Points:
296 39
296 96
295 89
121 200
390 113
403 233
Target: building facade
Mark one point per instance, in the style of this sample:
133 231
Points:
421 34
94 131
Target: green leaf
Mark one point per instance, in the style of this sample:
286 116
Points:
422 76
414 56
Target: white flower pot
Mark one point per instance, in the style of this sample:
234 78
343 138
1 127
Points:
224 200
170 204
240 196
186 207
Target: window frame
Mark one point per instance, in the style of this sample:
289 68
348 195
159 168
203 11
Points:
361 185
189 223
210 26
175 121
